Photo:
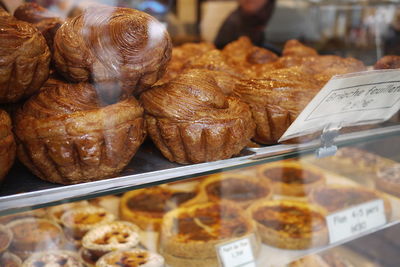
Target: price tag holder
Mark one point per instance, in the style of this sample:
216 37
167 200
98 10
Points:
350 100
356 220
238 253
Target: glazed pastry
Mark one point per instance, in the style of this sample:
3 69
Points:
7 144
6 237
45 21
191 120
131 258
289 224
24 57
77 222
55 258
67 136
121 50
189 234
8 259
294 48
241 189
292 178
388 179
147 207
109 237
31 235
56 212
388 62
338 197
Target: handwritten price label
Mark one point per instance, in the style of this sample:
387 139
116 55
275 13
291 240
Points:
348 100
236 253
356 220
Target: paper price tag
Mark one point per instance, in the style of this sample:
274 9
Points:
238 253
356 220
349 100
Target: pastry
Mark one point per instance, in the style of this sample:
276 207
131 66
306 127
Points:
292 178
54 213
8 259
24 57
189 234
39 213
293 48
388 179
110 203
45 21
66 135
77 222
7 144
241 189
121 50
310 261
31 235
338 197
109 237
5 238
147 207
55 258
191 120
388 62
289 224
132 257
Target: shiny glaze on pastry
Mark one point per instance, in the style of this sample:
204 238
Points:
296 49
191 120
388 62
24 57
7 144
67 135
121 50
131 258
55 258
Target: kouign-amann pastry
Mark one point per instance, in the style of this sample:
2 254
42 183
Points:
294 48
388 62
45 21
240 189
290 224
131 258
388 179
191 120
8 259
54 258
292 178
189 234
66 135
121 50
147 207
24 58
7 144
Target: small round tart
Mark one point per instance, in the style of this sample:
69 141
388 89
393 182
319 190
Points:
54 213
31 234
131 258
240 189
338 197
388 179
191 233
10 260
289 224
55 258
79 221
109 237
292 178
146 207
6 237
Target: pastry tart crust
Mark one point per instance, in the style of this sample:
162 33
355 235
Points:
388 179
6 237
133 257
55 258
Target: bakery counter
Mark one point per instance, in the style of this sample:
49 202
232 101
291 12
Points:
21 190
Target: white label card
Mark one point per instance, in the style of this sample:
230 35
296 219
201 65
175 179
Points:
349 100
356 220
238 253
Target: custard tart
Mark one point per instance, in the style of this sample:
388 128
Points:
8 259
131 258
54 213
55 258
290 224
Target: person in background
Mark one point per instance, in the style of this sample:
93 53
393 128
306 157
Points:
249 19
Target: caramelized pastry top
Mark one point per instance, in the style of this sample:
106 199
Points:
296 49
291 175
5 124
388 62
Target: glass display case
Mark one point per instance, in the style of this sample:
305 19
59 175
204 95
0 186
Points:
132 152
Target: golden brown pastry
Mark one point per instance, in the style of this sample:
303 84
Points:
45 21
7 144
54 258
131 258
294 48
66 135
388 62
121 50
146 207
191 120
54 213
289 224
189 234
24 58
292 178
